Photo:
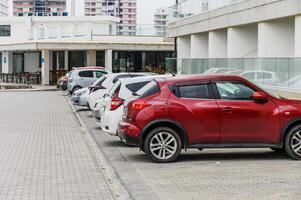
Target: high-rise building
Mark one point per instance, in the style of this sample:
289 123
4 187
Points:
3 7
160 20
39 8
126 10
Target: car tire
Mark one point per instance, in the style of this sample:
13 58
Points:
75 89
163 145
293 143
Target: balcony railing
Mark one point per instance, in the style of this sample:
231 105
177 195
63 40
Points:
188 8
276 72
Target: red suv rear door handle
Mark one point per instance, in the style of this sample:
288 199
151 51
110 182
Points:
228 109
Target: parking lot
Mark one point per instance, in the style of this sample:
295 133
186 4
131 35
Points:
45 154
210 174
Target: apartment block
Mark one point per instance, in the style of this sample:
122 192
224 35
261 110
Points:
39 8
3 7
126 10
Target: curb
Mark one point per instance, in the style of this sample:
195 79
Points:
115 187
28 90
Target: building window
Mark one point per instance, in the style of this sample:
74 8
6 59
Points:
4 30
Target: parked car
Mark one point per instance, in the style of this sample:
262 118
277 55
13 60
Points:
218 70
63 81
213 111
108 83
80 97
261 77
294 82
112 104
83 77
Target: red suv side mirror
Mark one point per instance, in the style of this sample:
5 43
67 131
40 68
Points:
259 97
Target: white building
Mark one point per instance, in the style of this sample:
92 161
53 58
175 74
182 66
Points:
49 44
243 35
3 8
126 10
160 21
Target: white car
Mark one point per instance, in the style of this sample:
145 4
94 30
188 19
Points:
111 79
80 97
261 77
112 105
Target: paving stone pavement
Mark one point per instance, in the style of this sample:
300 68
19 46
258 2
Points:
42 152
210 174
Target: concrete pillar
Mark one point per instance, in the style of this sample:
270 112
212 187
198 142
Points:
45 66
7 62
276 38
218 44
109 59
66 57
243 41
183 46
91 58
199 46
88 30
298 36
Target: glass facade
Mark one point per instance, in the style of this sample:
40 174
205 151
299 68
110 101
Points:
77 59
100 58
137 61
279 72
58 60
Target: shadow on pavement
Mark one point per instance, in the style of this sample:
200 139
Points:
227 156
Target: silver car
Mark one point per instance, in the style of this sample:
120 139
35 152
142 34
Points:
83 77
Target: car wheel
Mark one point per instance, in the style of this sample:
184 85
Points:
76 88
163 145
293 143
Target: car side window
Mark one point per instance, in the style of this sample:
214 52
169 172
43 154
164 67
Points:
234 91
196 91
134 87
86 74
99 74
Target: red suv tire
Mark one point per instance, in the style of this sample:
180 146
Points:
163 145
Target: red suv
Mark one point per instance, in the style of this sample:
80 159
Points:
210 111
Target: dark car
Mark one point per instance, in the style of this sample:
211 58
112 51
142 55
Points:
210 111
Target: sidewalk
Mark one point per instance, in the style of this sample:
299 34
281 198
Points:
46 153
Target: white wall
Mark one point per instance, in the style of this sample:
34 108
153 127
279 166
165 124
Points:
218 44
276 38
31 62
243 41
298 36
183 46
199 45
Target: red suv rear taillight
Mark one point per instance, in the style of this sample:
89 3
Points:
116 102
139 105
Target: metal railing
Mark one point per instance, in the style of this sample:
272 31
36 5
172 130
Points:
278 72
187 8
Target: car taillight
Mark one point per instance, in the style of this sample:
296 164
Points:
116 102
139 105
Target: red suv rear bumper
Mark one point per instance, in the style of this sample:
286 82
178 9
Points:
129 133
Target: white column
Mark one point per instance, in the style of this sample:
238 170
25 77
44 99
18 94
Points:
45 66
243 41
66 60
109 59
199 46
298 36
88 30
183 46
7 62
276 38
91 58
218 44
